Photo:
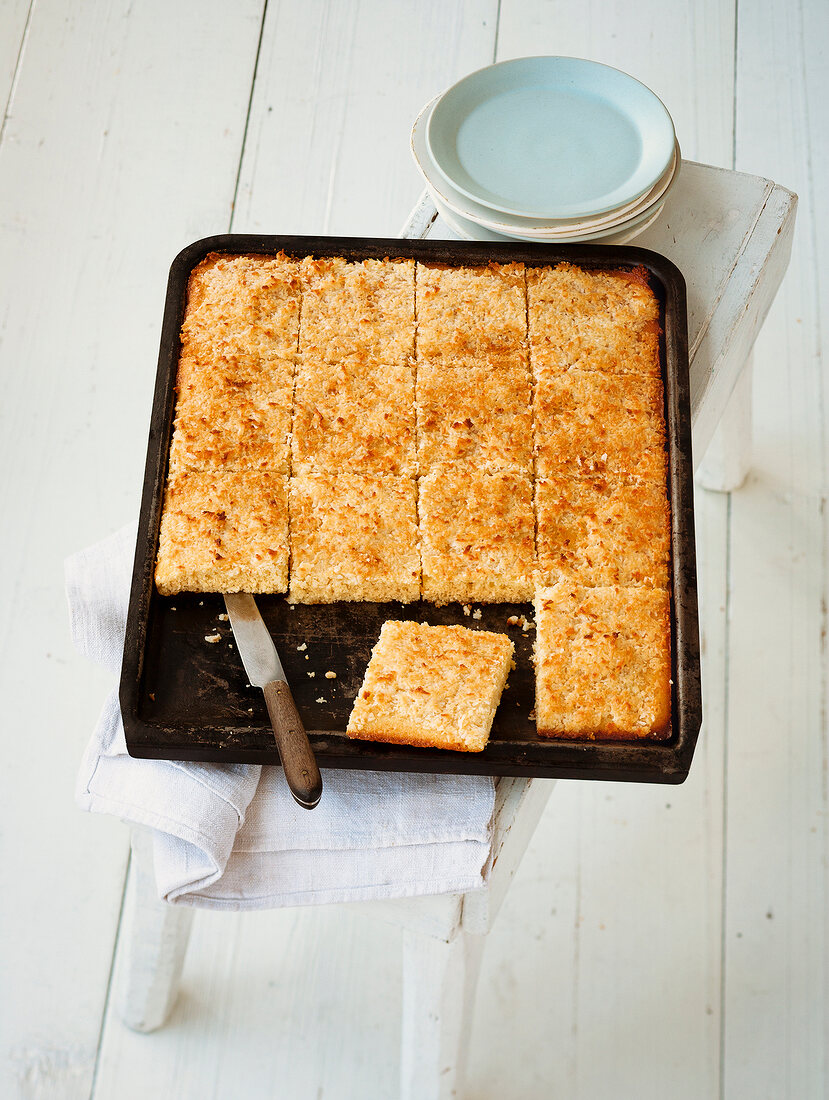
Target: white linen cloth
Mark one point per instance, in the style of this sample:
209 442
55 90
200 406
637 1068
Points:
229 836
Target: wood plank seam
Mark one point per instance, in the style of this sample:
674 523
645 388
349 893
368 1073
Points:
247 115
24 37
119 927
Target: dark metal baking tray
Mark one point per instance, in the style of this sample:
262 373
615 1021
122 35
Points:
183 698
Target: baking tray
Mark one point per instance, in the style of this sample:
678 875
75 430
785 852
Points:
183 698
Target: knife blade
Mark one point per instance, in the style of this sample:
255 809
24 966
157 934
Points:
265 670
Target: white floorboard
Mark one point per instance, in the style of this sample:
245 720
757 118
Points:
14 17
657 941
776 832
339 86
108 166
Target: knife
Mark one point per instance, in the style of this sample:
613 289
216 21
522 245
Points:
265 670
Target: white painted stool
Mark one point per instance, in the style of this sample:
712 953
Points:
730 234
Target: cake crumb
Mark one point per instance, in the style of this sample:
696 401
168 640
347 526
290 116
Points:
312 674
330 675
224 618
302 648
531 715
212 637
513 620
476 614
320 700
466 609
250 710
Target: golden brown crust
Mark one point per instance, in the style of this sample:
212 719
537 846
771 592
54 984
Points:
603 662
354 415
478 411
592 320
477 531
432 686
353 537
242 306
591 422
233 414
364 308
602 531
470 310
223 531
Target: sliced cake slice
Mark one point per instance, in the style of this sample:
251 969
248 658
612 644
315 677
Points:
592 422
223 531
592 320
353 537
477 534
602 662
475 410
469 310
356 414
233 414
432 686
242 305
364 308
602 531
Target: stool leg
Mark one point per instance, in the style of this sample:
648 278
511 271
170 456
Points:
155 938
726 463
439 981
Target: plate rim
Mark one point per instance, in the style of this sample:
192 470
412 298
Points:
573 229
444 100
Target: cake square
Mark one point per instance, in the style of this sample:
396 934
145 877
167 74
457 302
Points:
470 310
432 686
244 306
592 320
233 414
477 534
603 531
364 308
592 422
356 415
353 537
223 531
602 662
478 411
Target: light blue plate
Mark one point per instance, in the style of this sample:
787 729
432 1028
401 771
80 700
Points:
550 137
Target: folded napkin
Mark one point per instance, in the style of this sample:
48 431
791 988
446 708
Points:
229 836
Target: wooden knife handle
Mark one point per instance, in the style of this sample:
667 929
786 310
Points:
295 752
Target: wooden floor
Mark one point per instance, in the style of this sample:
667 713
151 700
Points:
658 942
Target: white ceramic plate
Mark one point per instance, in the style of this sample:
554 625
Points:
627 214
510 226
473 231
550 137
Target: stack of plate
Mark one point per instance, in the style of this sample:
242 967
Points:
550 149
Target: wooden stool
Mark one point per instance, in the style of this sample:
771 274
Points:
730 234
